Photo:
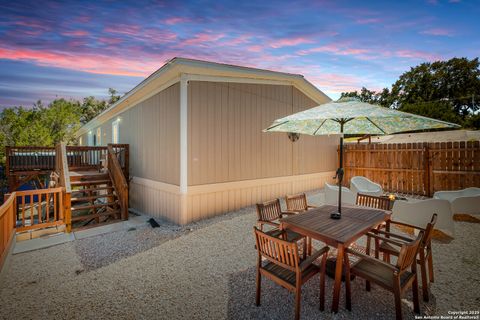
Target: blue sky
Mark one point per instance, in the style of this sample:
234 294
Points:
74 49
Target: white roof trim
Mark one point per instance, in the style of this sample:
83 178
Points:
170 73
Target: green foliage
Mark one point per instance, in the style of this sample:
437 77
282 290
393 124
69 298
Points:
48 125
445 90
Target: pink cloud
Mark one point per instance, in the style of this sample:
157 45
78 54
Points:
124 29
201 38
109 41
100 64
288 42
76 33
175 20
438 32
336 49
415 54
255 48
32 24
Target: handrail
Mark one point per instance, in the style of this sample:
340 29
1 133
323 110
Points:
7 226
61 168
119 181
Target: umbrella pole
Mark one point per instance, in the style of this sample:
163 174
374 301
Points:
339 175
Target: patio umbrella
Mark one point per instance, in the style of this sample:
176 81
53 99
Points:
351 116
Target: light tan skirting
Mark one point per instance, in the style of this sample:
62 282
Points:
202 201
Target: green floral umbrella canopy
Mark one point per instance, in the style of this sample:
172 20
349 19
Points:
350 116
358 118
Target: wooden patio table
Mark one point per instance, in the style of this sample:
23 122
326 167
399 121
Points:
316 223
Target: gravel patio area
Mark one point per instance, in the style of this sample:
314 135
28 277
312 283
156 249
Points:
205 270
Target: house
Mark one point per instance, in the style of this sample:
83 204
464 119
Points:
196 143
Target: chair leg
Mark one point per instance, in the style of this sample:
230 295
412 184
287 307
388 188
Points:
322 282
309 246
259 287
423 270
304 248
430 266
397 293
298 299
416 303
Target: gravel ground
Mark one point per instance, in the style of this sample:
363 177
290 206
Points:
205 270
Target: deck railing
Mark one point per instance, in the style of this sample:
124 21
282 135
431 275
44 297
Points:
61 168
119 180
29 158
7 226
41 208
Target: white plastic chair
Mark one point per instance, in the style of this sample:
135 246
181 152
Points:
419 213
363 185
331 195
462 201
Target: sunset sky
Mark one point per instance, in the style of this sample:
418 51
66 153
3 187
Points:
74 49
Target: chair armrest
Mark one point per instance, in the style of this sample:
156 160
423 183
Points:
397 243
406 225
290 212
393 235
310 259
262 222
371 259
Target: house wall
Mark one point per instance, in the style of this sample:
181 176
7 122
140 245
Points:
232 163
151 128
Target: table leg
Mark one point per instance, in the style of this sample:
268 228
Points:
338 279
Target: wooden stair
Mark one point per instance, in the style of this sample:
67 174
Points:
94 200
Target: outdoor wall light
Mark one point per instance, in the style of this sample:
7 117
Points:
293 136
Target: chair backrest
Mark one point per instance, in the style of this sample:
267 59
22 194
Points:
408 253
269 211
427 236
278 251
373 201
297 202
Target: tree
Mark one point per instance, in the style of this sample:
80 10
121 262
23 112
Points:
444 90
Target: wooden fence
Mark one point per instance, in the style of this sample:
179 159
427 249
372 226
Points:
416 168
7 226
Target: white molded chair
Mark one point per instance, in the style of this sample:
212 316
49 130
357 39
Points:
331 195
462 201
419 213
363 185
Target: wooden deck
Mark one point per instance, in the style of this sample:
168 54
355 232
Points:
85 188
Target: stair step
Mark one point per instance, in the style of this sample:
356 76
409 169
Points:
89 177
89 182
77 199
96 215
93 206
92 189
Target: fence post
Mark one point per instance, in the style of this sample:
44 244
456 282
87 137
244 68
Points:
67 202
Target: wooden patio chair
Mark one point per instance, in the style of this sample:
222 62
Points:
297 202
395 278
424 259
283 266
376 202
269 213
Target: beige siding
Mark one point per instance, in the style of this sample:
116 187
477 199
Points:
156 199
151 128
209 200
226 142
